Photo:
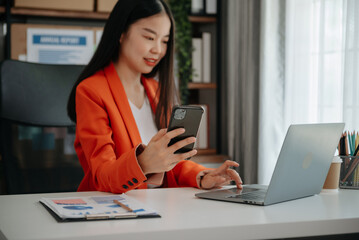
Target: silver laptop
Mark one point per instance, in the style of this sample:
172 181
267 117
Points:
301 168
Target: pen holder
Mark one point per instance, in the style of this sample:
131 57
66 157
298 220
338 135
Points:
349 172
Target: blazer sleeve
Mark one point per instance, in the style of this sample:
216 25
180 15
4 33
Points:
187 173
109 173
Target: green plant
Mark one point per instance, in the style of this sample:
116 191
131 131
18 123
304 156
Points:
180 10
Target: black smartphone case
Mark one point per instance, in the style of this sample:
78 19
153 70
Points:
187 117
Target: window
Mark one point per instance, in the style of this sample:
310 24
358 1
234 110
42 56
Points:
322 65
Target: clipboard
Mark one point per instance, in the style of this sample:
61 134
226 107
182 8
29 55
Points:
94 208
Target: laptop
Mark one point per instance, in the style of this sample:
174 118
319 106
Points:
300 171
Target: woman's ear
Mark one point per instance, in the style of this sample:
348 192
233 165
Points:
121 38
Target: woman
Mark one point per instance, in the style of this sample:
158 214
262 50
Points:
118 108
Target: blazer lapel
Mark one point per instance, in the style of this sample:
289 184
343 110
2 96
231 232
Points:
151 91
121 100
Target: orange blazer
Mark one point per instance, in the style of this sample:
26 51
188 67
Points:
107 137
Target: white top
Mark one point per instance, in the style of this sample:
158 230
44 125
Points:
144 120
146 126
22 217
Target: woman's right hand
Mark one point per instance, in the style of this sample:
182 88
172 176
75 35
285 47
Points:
159 157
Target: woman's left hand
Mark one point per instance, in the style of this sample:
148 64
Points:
222 176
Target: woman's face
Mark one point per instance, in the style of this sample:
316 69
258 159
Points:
145 43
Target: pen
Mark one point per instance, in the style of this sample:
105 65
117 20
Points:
123 205
356 151
346 144
339 145
342 145
353 165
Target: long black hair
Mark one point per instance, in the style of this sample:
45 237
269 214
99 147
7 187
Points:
125 13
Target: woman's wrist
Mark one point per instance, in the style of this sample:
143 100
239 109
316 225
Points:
200 177
139 156
200 181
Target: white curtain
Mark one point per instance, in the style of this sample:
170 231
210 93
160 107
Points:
309 70
272 82
240 82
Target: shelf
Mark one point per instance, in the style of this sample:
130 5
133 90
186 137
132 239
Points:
210 158
59 13
202 19
207 151
192 85
85 14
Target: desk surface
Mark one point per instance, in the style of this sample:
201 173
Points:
186 217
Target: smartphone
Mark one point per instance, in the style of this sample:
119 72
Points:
187 117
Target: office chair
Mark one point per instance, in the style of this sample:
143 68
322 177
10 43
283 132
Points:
37 136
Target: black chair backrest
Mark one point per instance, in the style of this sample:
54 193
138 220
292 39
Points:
36 133
35 93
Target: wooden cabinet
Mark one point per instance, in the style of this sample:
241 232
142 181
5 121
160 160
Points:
207 90
77 19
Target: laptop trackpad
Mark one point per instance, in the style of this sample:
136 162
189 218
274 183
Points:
247 190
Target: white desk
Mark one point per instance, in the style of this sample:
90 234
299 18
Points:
186 217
